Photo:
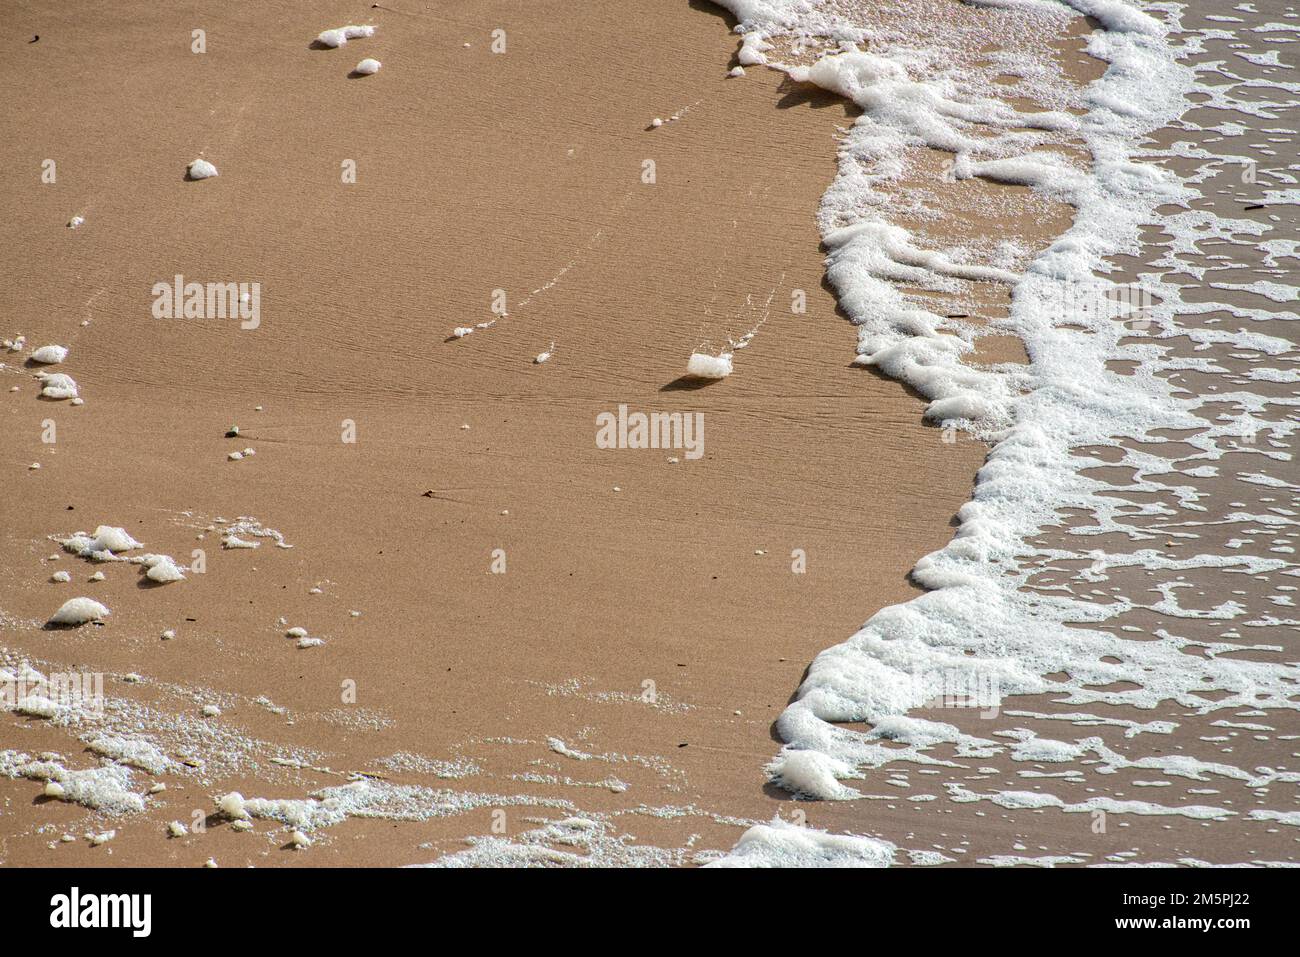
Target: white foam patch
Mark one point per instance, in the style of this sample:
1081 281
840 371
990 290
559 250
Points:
106 789
136 752
339 36
366 798
782 844
568 842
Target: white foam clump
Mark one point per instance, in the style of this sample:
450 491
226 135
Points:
782 844
78 611
104 789
704 366
232 806
339 36
50 355
162 569
368 67
202 169
108 539
113 538
812 774
57 385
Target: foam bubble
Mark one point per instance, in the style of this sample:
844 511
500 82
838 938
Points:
79 611
704 366
50 355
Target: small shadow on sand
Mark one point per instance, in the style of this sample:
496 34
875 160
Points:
687 383
706 6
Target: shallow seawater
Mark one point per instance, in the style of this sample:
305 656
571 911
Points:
1112 633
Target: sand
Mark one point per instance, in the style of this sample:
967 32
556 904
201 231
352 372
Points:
472 174
626 571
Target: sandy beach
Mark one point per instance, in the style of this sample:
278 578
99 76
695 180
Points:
621 566
516 625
